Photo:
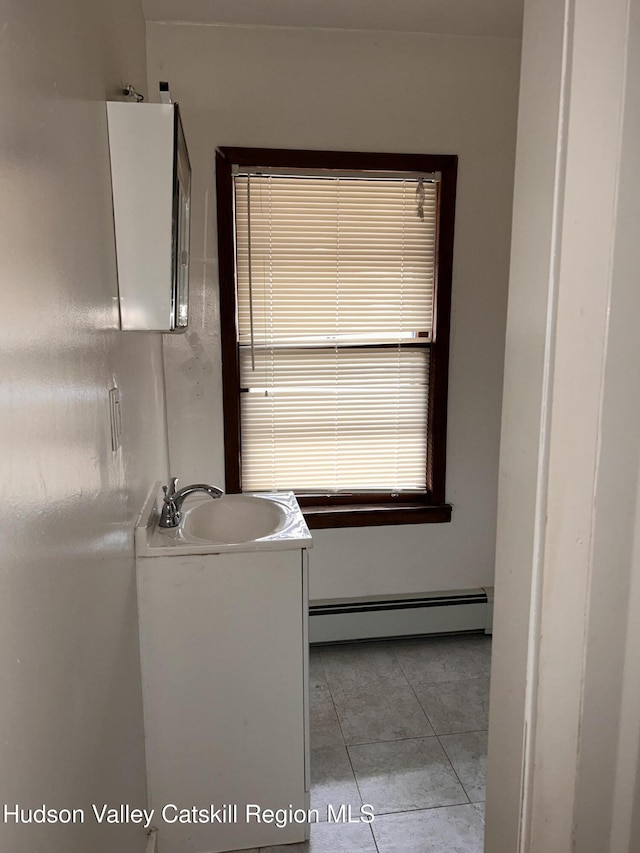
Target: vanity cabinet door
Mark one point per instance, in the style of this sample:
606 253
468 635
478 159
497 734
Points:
224 678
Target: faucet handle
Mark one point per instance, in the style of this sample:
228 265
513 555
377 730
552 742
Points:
169 514
170 490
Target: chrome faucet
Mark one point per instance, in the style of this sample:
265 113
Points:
172 502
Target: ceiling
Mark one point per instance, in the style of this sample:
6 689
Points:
455 17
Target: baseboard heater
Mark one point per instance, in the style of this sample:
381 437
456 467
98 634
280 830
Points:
341 620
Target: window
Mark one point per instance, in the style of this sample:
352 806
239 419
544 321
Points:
335 285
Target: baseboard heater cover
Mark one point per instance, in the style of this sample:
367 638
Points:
376 618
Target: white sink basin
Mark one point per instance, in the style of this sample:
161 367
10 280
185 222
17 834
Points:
232 519
248 522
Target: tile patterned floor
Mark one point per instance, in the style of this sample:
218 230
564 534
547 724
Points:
401 725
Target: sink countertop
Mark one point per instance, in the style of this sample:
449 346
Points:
152 541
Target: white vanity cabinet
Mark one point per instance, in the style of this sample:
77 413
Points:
224 655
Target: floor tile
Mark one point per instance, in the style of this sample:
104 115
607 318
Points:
456 706
332 781
457 829
361 664
379 712
437 659
468 754
405 774
482 808
316 668
325 728
332 838
362 694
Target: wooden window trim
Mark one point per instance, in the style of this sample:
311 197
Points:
359 509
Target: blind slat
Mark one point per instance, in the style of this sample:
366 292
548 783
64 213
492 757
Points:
344 261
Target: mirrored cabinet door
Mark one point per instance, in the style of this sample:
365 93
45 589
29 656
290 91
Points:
151 185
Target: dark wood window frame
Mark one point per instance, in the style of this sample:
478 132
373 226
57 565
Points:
345 510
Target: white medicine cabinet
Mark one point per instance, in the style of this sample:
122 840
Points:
151 185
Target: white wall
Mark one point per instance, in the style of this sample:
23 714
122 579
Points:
71 714
359 90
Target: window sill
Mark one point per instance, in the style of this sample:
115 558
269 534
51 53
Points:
374 515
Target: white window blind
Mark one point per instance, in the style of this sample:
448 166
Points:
335 289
